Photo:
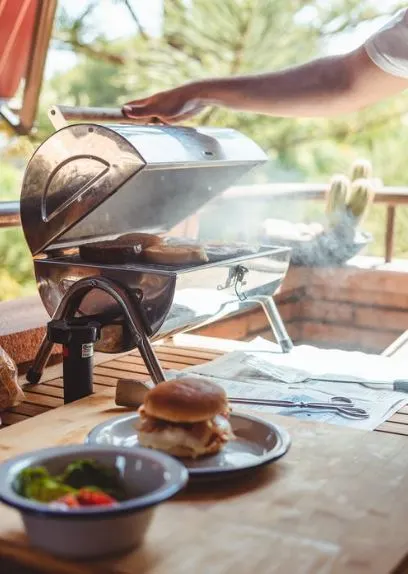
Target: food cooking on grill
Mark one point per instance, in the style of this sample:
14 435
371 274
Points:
152 249
83 483
124 249
217 250
186 417
173 254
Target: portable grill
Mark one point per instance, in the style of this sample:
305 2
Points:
90 182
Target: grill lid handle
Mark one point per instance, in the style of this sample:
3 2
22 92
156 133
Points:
60 115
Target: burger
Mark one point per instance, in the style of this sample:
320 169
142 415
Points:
186 417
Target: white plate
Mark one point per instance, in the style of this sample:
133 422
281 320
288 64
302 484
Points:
257 443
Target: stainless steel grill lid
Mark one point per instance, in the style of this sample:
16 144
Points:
88 181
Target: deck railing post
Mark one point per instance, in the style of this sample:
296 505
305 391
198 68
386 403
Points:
389 233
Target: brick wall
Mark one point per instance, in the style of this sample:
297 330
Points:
349 308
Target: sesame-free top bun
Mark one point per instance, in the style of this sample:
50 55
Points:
186 400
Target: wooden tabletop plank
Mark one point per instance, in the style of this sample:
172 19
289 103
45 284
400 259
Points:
43 389
132 367
44 400
9 418
49 394
400 418
393 428
334 504
179 359
205 354
118 373
58 384
29 409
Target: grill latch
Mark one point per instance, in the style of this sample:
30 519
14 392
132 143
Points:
236 278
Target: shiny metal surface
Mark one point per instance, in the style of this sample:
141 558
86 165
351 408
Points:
343 406
170 300
88 182
68 307
70 174
99 115
272 314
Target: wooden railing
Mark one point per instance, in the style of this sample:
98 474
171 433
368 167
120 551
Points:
9 214
391 197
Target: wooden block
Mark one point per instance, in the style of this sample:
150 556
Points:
130 392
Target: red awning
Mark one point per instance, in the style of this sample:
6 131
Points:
16 28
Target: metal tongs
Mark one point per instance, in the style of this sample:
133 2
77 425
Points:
341 405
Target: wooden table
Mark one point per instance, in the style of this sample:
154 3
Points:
49 394
337 503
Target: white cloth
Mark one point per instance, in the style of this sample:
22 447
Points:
388 48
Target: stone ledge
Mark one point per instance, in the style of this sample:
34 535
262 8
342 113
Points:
22 328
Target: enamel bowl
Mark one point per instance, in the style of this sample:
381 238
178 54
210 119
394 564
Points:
149 478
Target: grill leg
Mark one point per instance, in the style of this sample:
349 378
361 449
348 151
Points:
34 374
275 321
70 304
66 306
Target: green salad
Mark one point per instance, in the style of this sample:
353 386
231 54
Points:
82 483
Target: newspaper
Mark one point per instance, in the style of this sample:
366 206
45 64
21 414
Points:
261 371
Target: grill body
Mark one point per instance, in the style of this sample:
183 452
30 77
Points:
89 182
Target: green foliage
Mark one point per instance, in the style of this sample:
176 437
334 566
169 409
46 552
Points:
9 182
213 38
16 273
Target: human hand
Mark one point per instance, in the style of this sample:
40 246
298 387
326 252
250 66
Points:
170 106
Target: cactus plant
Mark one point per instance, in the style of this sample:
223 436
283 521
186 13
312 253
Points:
337 198
361 169
361 196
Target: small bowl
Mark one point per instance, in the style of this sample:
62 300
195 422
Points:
149 477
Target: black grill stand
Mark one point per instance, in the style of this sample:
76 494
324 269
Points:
77 338
75 332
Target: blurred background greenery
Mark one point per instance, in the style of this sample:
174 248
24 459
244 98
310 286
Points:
203 38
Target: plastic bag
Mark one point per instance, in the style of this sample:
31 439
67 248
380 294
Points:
10 392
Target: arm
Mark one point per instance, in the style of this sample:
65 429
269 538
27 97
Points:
325 87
